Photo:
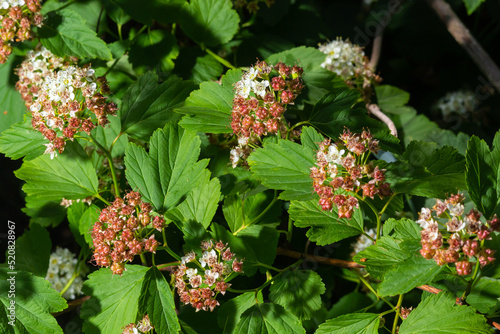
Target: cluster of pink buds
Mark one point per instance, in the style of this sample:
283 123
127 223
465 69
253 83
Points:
122 232
143 326
17 17
261 97
63 98
464 235
199 279
341 172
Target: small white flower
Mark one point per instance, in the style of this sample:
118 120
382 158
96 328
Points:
259 87
334 155
50 150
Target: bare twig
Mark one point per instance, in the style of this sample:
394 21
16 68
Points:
376 48
463 37
375 110
319 259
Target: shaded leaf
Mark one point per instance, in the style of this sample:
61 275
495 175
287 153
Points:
325 226
148 106
299 292
114 299
70 175
33 251
35 300
230 312
354 323
440 314
158 302
284 166
65 34
210 22
21 140
268 319
208 109
12 108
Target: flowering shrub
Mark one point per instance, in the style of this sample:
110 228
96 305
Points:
202 166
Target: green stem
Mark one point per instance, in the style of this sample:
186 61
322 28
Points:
119 26
111 165
289 234
71 280
299 124
143 259
165 246
398 311
365 282
170 264
263 265
387 204
471 282
219 59
102 199
275 198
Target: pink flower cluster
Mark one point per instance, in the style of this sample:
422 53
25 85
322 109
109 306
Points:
17 18
143 326
199 283
121 232
261 97
341 172
63 98
464 235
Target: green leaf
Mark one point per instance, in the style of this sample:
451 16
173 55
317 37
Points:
325 226
43 212
311 138
255 243
230 312
391 99
194 64
317 80
403 229
241 212
154 49
65 34
114 299
158 302
335 111
354 323
34 301
472 5
409 274
210 22
284 166
166 174
485 294
482 174
87 221
268 319
75 213
12 106
107 136
350 303
425 170
164 11
208 109
382 257
200 204
70 175
33 251
439 314
21 140
148 106
299 292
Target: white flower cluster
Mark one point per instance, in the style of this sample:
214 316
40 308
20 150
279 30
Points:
343 58
62 266
248 84
5 4
363 241
460 102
